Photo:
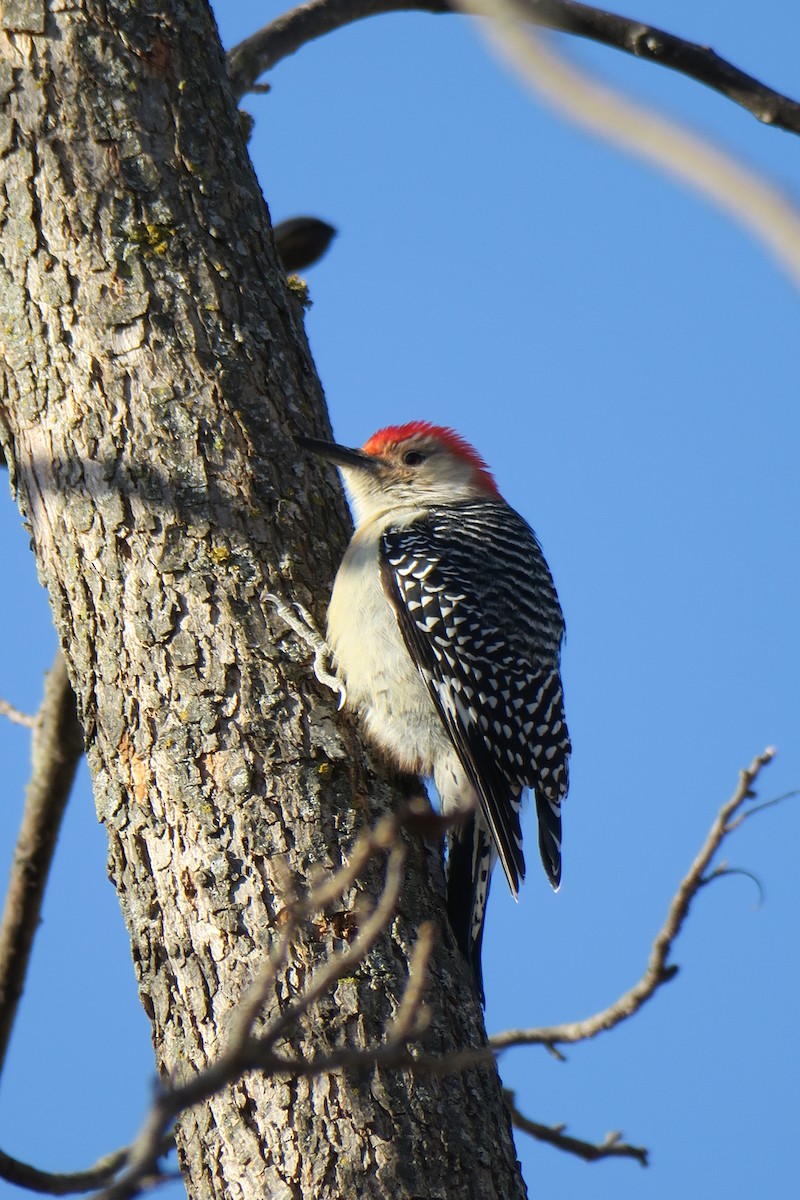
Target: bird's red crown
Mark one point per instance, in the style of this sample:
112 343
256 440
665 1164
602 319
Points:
394 435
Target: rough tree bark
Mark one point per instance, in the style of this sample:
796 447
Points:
153 367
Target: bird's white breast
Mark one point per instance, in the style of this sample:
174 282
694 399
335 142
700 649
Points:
382 681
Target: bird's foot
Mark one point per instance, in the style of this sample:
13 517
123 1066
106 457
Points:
298 618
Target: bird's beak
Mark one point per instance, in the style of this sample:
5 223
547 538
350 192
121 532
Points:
340 456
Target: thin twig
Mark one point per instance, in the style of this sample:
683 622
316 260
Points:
16 715
296 911
611 1147
69 1183
244 1045
55 753
658 971
384 1055
723 870
412 1019
288 33
747 813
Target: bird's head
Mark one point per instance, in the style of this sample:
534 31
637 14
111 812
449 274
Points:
408 466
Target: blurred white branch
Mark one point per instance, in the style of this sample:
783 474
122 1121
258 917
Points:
16 715
736 189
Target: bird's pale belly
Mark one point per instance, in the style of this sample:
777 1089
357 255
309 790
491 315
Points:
383 685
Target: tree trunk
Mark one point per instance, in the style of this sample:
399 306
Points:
154 367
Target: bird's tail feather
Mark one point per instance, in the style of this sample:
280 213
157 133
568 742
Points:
549 814
470 858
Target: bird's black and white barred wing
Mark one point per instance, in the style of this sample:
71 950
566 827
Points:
479 613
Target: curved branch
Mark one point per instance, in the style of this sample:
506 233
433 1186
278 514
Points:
658 970
293 30
282 37
655 45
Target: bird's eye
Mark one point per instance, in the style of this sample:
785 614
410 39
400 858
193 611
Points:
413 458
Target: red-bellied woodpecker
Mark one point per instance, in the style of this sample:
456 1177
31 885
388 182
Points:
446 629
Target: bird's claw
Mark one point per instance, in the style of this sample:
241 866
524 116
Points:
298 618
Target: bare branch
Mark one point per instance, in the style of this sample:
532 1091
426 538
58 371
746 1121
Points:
16 716
70 1183
412 1019
658 971
296 911
282 37
55 753
244 1046
655 45
611 1147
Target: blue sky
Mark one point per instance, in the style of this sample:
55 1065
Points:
626 360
